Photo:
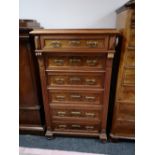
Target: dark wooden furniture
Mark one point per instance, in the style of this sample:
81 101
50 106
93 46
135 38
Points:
75 71
123 121
30 102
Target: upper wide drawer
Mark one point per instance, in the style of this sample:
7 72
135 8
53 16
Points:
74 42
74 61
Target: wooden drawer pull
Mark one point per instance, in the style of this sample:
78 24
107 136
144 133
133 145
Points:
76 126
90 81
75 113
62 126
90 114
91 62
56 44
89 127
61 113
60 97
92 43
74 42
90 98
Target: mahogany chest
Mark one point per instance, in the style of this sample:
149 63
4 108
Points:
75 70
31 117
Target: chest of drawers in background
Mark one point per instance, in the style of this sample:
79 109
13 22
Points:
123 121
75 71
31 116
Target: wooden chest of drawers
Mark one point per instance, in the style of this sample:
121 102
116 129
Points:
123 121
75 70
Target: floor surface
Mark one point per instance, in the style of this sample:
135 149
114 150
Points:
89 145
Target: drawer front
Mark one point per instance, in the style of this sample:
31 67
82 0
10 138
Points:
126 93
75 79
63 126
129 76
74 42
75 62
78 113
126 128
77 97
130 58
126 111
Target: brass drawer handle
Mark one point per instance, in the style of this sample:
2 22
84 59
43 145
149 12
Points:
91 62
62 126
74 42
90 81
61 113
59 61
56 44
74 60
59 80
75 79
90 98
76 126
89 114
92 44
60 97
75 96
76 113
89 127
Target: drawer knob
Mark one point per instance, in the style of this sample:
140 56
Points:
90 81
90 114
56 44
74 42
92 44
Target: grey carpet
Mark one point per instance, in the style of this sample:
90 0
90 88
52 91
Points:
89 145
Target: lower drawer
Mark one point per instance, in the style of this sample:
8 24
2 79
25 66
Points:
126 111
62 126
75 97
124 127
68 79
87 113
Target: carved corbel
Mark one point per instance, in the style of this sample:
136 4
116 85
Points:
37 43
110 55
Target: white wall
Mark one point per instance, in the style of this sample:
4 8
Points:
71 13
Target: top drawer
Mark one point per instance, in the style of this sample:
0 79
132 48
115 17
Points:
74 42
